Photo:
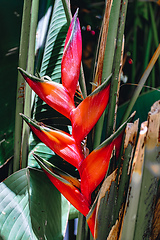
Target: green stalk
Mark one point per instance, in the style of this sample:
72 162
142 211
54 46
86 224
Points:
67 10
83 230
68 13
30 69
141 83
110 45
116 70
24 42
108 60
153 74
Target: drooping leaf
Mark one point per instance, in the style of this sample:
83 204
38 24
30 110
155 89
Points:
71 61
26 212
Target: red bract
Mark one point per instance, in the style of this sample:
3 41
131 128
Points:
58 141
95 166
70 192
54 94
85 116
91 217
71 61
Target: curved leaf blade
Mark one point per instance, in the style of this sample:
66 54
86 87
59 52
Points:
23 199
51 62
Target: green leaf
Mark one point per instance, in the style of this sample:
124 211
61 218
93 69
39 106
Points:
142 106
51 62
141 83
108 59
29 197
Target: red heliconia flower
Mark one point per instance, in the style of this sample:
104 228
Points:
93 168
87 113
71 61
54 94
60 96
67 187
58 141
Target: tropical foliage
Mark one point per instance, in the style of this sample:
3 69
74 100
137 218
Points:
97 167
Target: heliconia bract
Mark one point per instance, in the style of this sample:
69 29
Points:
70 192
58 141
54 94
95 166
71 61
87 113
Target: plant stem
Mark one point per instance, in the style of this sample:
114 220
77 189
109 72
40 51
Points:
108 60
28 91
116 70
67 11
83 231
24 42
